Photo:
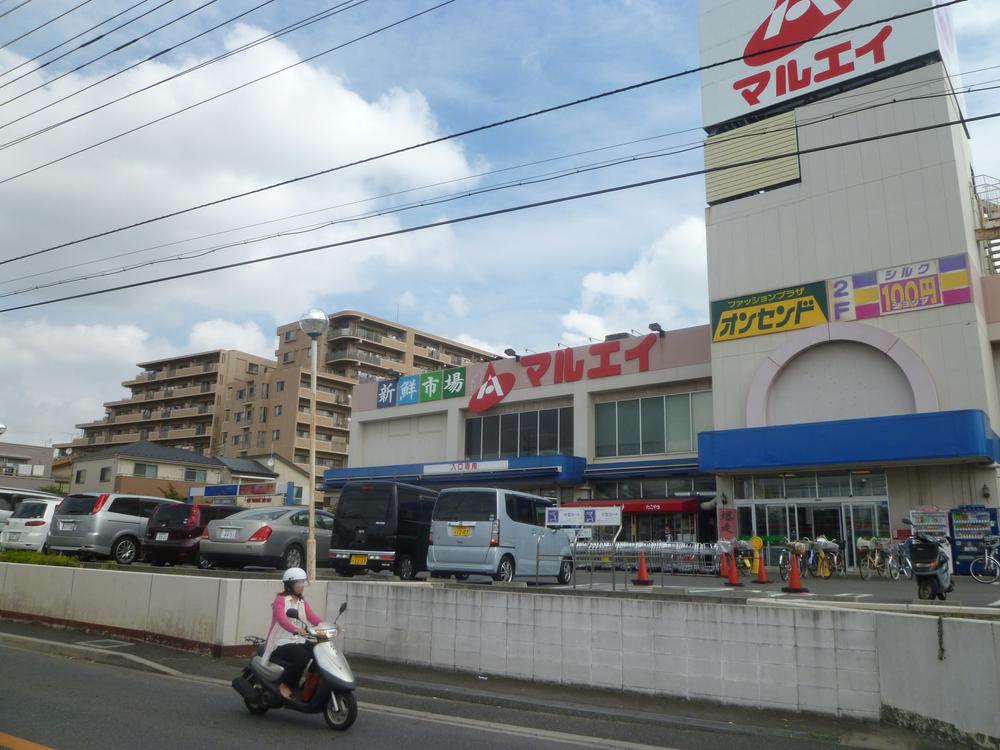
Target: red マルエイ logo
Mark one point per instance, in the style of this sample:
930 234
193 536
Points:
793 23
493 389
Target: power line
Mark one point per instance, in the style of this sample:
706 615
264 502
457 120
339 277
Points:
441 139
503 211
120 47
434 201
20 5
43 25
316 17
85 44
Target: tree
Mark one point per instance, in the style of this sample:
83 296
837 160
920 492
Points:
53 489
171 493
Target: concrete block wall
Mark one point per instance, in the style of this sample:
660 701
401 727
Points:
809 660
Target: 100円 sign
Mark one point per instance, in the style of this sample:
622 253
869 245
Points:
778 310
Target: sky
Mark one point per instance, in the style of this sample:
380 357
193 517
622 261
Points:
554 275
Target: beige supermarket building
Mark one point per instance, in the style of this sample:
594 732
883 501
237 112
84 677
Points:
848 376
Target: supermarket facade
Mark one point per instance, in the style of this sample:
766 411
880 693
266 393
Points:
848 375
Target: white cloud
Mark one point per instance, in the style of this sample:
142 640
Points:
224 334
458 305
478 343
407 300
667 284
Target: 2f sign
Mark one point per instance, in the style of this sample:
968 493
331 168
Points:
840 293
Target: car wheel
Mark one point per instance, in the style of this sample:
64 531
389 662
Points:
505 570
406 568
292 558
125 551
566 573
341 711
204 564
461 576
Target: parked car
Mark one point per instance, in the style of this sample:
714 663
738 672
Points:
499 533
266 538
382 526
103 525
174 533
28 526
11 497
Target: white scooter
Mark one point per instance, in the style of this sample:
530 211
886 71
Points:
329 683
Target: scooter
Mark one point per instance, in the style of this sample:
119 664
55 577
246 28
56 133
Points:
930 557
328 686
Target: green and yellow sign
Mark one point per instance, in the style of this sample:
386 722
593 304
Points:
769 312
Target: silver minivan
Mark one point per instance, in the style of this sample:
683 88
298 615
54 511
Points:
103 525
496 532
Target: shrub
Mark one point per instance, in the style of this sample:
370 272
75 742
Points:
38 558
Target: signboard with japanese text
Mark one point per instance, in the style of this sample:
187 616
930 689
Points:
788 49
430 386
466 467
385 395
408 390
915 286
601 516
769 312
454 383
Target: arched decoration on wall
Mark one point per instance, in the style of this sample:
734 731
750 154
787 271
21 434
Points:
913 367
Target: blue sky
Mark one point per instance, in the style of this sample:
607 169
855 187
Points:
530 280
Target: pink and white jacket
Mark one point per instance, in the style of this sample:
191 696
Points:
283 629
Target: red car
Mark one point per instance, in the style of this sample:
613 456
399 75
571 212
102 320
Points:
174 533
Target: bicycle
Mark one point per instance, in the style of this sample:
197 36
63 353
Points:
872 558
785 557
824 558
986 569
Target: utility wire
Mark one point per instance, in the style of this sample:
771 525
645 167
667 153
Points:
43 25
85 44
74 37
433 141
504 211
120 47
674 150
8 12
316 17
229 91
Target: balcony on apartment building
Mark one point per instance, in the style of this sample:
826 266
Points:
325 397
152 414
354 354
102 439
344 333
336 423
195 370
183 433
440 357
323 445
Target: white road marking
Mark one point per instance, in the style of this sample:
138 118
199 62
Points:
512 731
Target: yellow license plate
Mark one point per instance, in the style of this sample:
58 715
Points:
462 531
359 559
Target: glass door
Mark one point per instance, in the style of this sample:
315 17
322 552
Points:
778 528
863 523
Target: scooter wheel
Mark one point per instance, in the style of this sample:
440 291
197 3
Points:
255 708
341 711
925 589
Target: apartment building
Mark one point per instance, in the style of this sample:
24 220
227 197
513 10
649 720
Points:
230 403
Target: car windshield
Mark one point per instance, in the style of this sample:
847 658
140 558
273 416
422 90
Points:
77 505
29 509
365 503
172 515
466 506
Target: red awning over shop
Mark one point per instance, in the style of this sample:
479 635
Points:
667 505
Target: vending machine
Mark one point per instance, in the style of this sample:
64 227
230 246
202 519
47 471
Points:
969 524
930 520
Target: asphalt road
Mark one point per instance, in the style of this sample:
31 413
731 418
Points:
67 704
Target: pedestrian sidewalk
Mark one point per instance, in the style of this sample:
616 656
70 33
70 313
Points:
376 679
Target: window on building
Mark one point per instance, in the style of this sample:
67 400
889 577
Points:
508 435
276 435
278 410
236 439
678 409
474 439
528 441
701 413
287 357
253 368
145 470
261 438
228 411
606 429
548 432
491 437
800 486
566 430
225 438
263 414
241 394
239 417
628 427
652 416
105 473
290 334
652 425
529 433
195 475
265 390
279 386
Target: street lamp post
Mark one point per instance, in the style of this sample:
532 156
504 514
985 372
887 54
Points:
313 324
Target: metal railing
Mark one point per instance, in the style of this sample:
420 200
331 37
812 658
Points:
662 559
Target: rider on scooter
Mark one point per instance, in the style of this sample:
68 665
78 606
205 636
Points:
286 640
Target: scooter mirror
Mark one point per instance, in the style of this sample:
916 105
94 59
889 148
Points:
292 614
343 608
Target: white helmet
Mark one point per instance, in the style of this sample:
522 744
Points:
294 574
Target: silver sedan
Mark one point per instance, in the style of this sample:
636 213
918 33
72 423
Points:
266 538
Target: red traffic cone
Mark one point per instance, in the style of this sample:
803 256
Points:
761 572
643 579
794 582
724 566
734 572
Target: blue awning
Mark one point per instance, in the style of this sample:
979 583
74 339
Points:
935 437
639 469
551 469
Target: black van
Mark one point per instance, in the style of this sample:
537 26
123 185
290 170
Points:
381 526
